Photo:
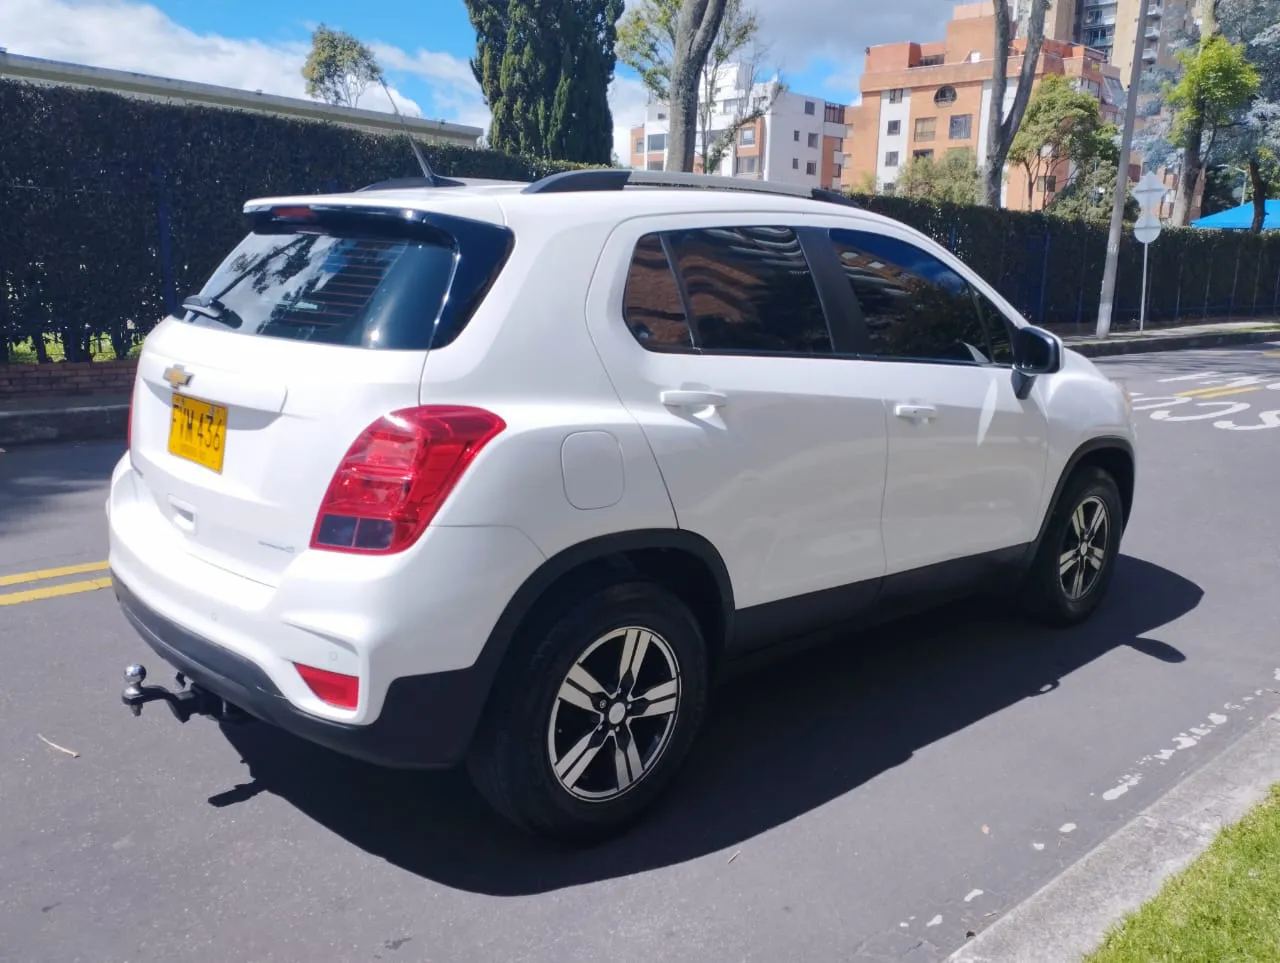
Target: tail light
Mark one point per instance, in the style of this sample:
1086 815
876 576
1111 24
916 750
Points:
334 688
396 475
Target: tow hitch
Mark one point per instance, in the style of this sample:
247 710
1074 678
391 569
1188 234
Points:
185 702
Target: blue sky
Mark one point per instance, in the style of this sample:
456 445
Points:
817 45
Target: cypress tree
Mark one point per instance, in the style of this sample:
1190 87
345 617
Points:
544 67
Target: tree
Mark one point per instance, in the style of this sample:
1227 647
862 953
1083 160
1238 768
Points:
953 180
1061 123
1256 25
647 44
697 26
544 68
1002 129
1216 84
339 67
1091 193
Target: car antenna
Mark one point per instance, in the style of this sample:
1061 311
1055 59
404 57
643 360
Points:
427 172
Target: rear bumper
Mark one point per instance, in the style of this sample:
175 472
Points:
426 720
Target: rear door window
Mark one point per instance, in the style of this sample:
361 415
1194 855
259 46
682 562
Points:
734 290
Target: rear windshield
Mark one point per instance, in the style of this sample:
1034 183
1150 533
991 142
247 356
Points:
397 293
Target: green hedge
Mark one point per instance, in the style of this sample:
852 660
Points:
1051 268
111 206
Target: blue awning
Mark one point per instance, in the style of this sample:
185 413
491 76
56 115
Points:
1241 218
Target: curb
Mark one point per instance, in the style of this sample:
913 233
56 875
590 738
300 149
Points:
83 423
1105 349
1067 919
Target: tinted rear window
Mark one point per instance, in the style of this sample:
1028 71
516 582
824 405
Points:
357 289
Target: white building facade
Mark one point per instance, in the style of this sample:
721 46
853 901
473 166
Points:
798 140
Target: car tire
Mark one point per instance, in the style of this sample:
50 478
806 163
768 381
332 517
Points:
565 694
1075 562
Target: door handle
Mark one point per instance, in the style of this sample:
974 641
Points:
693 399
916 412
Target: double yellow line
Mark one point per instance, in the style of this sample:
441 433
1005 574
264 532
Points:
53 591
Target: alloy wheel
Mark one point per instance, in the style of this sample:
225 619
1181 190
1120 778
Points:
1084 548
614 714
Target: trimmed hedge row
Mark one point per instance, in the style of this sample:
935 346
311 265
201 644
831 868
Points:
1051 268
112 208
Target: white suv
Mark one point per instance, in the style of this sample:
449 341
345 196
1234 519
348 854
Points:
506 473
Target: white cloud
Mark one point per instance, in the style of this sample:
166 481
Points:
136 36
126 35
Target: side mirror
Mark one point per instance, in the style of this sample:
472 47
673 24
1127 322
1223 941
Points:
1035 352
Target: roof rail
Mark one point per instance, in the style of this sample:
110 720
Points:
572 182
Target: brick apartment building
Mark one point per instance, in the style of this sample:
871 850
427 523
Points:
923 99
799 139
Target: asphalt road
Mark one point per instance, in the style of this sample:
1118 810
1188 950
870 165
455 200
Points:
875 799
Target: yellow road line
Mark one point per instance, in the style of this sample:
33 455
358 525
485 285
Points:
49 573
54 591
1230 391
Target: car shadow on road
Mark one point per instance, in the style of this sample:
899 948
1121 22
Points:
778 744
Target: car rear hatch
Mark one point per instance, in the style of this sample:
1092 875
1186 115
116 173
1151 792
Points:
316 325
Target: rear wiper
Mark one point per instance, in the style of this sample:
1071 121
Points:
213 309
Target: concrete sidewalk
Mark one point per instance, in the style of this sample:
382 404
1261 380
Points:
1181 337
77 418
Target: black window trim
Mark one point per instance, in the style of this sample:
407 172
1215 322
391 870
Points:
842 312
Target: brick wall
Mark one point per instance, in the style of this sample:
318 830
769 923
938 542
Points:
63 379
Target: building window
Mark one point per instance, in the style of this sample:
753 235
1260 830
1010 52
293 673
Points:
895 95
795 163
945 97
834 114
657 142
796 137
839 145
744 165
889 186
747 137
839 172
895 128
1047 185
962 126
811 168
813 140
656 165
891 159
933 60
926 128
639 145
810 107
922 154
662 116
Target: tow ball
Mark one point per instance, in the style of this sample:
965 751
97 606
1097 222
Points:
184 702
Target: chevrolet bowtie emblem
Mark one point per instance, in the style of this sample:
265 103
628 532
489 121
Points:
177 376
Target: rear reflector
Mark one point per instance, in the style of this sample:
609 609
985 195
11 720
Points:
397 474
338 690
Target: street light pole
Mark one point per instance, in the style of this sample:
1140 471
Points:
1107 302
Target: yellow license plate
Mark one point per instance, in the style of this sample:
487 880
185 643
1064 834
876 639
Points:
198 431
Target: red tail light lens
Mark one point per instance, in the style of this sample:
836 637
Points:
397 474
338 690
